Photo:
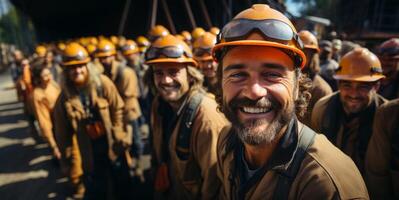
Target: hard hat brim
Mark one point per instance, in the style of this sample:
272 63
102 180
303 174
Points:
173 60
361 78
295 50
128 52
312 47
76 62
105 54
204 58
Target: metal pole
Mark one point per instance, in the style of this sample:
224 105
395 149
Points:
165 7
124 16
154 13
227 9
190 14
206 14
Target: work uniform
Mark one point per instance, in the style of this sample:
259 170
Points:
43 103
125 80
195 177
325 172
102 154
382 158
351 134
320 88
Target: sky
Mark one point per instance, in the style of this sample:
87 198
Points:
293 8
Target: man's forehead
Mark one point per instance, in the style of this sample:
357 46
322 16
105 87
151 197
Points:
355 82
168 66
257 56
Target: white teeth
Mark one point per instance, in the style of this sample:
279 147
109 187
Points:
255 110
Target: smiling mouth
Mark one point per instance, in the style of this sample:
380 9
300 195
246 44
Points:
255 110
169 87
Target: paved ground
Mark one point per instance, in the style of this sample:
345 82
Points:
27 171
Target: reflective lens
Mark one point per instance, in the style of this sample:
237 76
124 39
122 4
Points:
169 52
199 52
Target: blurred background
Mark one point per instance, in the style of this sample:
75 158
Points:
28 22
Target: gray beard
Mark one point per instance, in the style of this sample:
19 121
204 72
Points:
247 134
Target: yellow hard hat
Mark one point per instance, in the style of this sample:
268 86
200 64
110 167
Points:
197 32
359 65
61 46
169 49
75 54
105 48
309 40
114 39
186 35
276 29
91 49
143 43
203 45
130 47
41 50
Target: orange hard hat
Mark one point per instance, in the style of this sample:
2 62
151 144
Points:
197 32
105 48
214 30
169 49
203 45
389 49
309 40
186 35
276 30
74 54
158 31
41 50
359 65
130 47
61 46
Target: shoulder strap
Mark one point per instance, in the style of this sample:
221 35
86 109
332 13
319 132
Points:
331 118
287 177
184 135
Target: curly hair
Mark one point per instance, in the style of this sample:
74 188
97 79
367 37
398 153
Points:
196 79
301 103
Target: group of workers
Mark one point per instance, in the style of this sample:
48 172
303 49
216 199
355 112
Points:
255 110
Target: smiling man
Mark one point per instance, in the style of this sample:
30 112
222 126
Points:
185 124
267 153
346 117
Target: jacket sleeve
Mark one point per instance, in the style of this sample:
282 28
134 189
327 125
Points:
63 134
42 114
377 163
115 101
205 154
130 95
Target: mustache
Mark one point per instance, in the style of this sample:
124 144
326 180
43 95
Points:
262 103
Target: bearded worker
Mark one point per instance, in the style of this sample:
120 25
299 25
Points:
267 153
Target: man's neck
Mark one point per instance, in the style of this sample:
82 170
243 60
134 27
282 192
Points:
176 105
258 156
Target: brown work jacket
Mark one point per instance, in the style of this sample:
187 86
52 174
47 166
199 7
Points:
69 114
325 172
320 88
382 158
125 80
351 136
194 178
43 103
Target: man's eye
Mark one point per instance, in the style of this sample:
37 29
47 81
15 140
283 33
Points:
237 75
272 75
157 73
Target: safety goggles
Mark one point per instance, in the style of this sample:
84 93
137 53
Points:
168 52
199 52
274 30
